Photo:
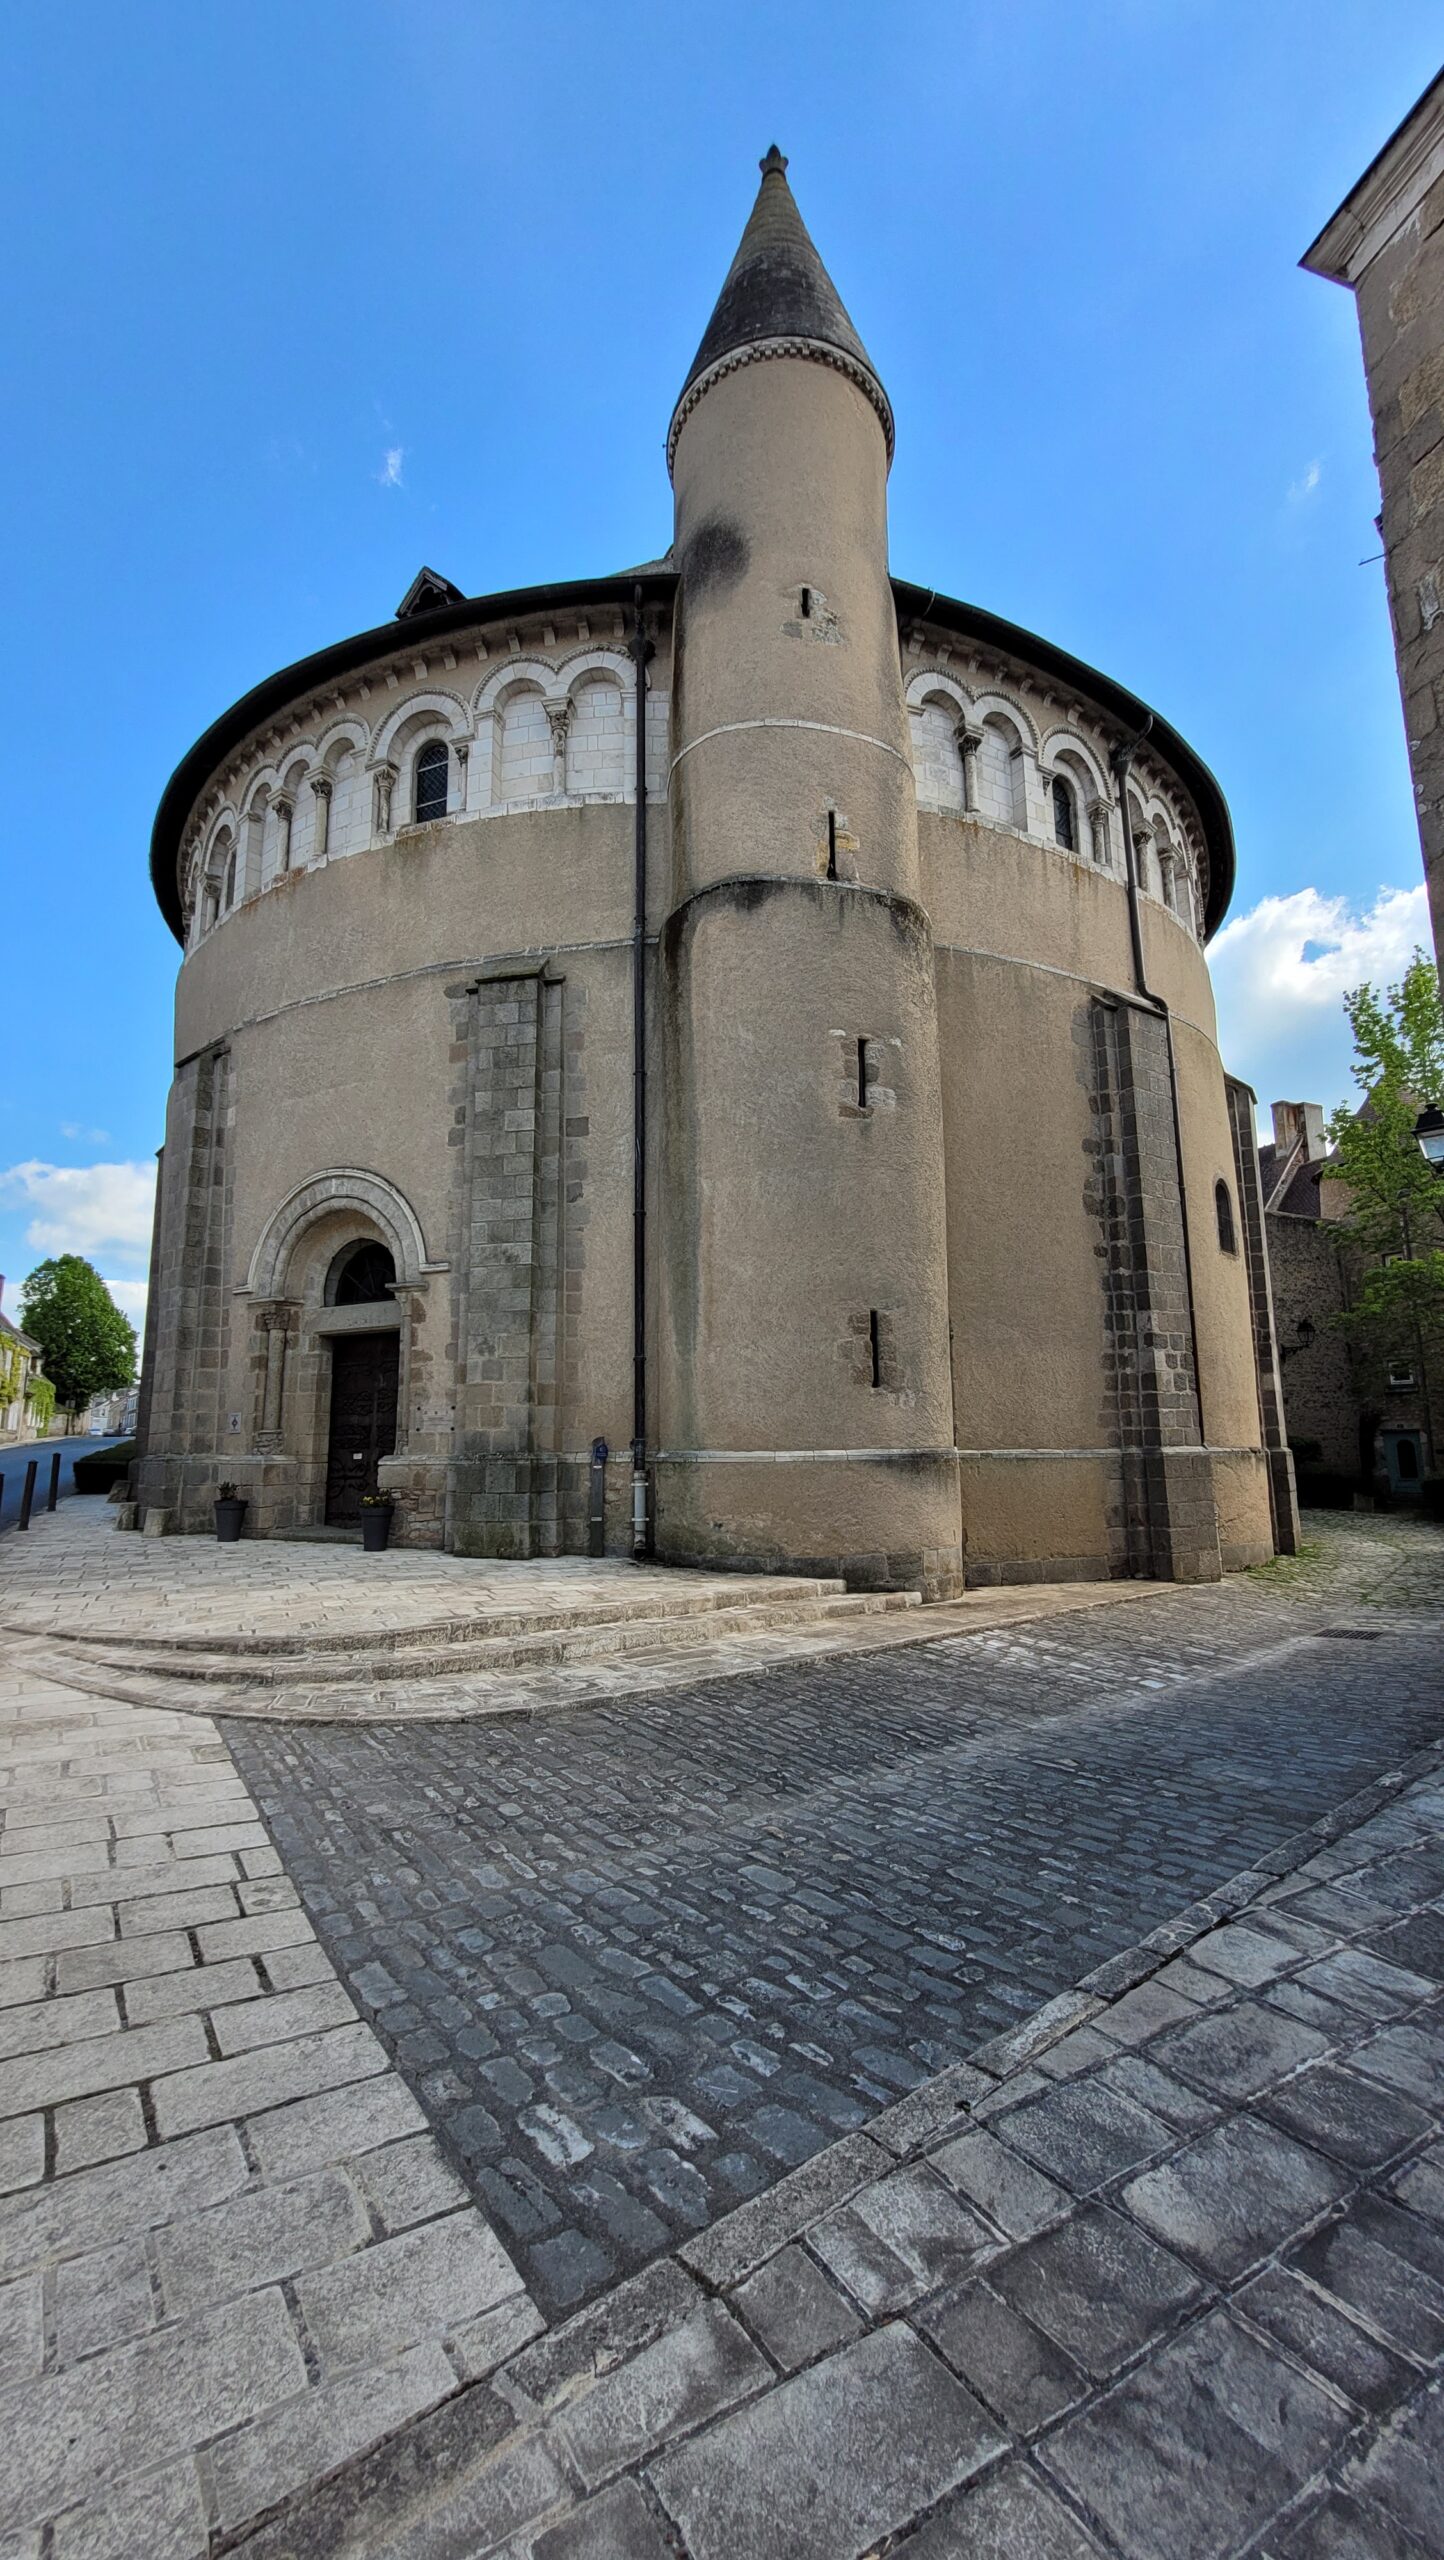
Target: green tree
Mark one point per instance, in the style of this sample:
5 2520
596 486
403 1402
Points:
87 1344
1394 1214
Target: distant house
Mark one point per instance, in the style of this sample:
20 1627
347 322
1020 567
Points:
1352 1424
27 1398
108 1414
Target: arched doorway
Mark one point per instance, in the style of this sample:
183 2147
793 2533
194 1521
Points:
365 1375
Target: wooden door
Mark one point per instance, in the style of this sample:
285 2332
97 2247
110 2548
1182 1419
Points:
364 1372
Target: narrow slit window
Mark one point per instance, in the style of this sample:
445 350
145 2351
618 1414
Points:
832 844
862 1074
1223 1211
875 1345
806 603
1065 831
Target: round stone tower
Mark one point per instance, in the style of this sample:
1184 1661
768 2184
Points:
805 1395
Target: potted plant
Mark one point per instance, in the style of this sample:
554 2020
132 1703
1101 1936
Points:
376 1510
230 1512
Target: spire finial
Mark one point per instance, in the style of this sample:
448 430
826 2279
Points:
774 166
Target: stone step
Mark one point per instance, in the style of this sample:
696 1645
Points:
577 1639
684 1599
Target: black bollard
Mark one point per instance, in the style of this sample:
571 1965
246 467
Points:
28 1495
597 1501
53 1495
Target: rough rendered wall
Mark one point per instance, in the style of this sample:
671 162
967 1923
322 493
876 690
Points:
1401 319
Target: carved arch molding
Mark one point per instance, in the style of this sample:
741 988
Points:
340 1188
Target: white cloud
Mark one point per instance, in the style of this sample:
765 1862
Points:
1280 973
130 1296
92 1137
1305 487
389 474
92 1209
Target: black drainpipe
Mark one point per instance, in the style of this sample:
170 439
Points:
1120 760
641 1528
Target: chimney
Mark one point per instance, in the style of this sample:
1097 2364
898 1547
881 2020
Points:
1300 1124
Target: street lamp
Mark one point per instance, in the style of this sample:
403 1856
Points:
1429 1130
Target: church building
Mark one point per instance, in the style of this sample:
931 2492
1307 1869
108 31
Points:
717 1060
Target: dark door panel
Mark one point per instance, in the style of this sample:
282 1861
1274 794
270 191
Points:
364 1372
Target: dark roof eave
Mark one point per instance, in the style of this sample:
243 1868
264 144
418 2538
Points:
343 658
923 604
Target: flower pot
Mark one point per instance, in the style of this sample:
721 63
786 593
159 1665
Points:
376 1527
229 1516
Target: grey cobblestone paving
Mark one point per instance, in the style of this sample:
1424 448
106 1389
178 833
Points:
1217 2334
639 1961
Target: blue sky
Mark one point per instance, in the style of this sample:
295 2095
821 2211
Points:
311 291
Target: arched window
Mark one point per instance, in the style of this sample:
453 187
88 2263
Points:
433 776
1223 1211
360 1276
1065 823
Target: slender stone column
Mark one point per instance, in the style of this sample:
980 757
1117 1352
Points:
383 787
273 1324
1098 820
462 753
559 720
969 741
285 809
321 786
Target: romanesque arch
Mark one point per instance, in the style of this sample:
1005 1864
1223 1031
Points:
342 1187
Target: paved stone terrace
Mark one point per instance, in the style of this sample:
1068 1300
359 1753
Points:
1161 2272
315 1631
77 1573
640 1962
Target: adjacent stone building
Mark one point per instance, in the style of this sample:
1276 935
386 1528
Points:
1387 243
24 1395
720 1056
1357 1423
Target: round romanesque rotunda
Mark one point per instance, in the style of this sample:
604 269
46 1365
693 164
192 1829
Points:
717 1060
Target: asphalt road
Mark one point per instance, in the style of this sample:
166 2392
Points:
16 1456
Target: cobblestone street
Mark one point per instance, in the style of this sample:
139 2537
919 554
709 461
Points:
984 2097
641 1959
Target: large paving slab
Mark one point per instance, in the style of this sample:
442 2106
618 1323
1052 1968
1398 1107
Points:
641 1960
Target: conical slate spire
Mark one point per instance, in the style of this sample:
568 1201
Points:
778 287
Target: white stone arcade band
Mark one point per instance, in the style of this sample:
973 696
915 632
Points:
748 1012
